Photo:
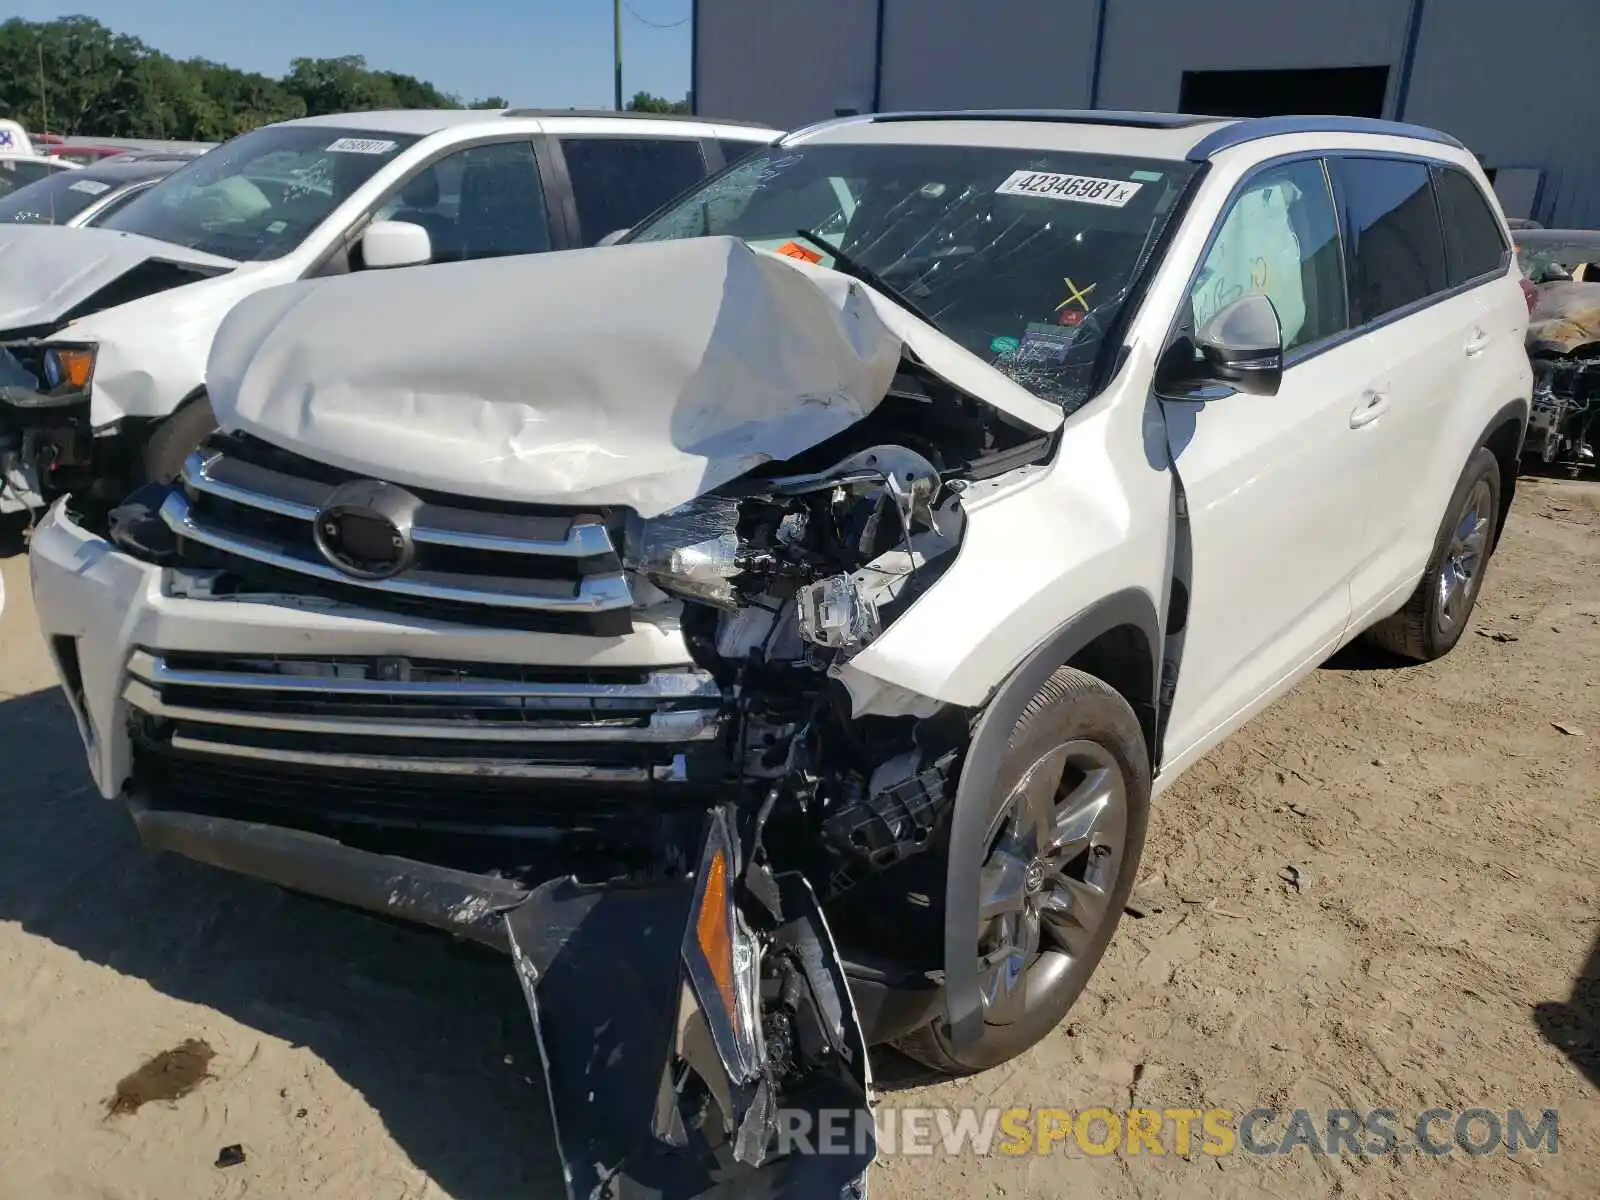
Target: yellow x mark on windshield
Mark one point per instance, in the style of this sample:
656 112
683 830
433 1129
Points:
1079 295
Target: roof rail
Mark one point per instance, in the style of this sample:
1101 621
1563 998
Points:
629 114
1253 129
1066 116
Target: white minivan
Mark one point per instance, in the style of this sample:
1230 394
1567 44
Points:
104 331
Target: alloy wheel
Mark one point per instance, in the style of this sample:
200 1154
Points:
1056 851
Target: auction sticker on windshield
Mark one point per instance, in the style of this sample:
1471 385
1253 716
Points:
361 146
89 187
1085 189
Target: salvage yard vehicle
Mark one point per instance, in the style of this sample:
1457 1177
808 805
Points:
85 196
1563 268
774 629
104 331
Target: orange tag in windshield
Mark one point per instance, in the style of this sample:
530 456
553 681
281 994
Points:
796 250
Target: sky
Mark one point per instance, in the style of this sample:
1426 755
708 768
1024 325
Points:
537 53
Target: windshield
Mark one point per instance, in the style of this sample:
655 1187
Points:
1023 257
1544 258
54 200
259 196
18 173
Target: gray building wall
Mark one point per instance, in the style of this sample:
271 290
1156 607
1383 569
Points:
1149 44
784 62
1029 53
1522 94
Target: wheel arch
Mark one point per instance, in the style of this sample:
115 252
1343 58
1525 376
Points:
1503 437
1116 640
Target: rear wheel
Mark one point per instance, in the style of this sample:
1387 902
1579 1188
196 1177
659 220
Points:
1067 826
1435 617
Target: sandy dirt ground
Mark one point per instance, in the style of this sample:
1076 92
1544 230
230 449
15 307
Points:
1440 951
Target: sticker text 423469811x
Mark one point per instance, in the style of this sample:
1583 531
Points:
1085 189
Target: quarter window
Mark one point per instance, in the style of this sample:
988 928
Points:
1281 239
1473 242
1396 247
617 182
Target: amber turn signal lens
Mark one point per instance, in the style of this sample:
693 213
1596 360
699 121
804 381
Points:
713 935
74 366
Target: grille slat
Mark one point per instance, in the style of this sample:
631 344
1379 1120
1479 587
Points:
249 509
424 716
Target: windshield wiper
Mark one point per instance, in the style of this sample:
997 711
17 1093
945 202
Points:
848 266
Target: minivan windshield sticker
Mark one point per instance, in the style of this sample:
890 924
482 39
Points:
361 146
1084 189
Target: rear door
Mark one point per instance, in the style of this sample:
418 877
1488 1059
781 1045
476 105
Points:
616 180
1275 512
1420 330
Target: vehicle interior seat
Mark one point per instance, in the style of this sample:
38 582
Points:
419 204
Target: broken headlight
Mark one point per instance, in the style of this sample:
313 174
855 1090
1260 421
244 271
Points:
34 376
692 551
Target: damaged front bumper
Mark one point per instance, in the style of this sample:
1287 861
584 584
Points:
47 445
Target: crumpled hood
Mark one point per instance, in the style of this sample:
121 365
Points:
1565 316
643 375
48 270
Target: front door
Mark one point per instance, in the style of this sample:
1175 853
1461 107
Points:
1275 517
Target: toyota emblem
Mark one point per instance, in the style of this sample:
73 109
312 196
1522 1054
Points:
364 529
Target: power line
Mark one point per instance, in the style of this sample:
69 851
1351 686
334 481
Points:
632 12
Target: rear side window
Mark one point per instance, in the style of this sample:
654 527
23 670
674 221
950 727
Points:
1392 235
1473 242
617 182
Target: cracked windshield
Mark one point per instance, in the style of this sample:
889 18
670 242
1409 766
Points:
260 195
1024 258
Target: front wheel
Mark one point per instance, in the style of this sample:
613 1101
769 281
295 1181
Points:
1069 811
1435 617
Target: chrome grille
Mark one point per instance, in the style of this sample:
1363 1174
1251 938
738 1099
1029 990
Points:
249 508
420 717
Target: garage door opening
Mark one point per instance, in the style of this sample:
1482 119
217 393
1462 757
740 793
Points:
1326 91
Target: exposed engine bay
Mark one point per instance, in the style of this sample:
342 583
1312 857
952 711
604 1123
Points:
1564 348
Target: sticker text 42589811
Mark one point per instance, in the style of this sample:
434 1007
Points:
1085 189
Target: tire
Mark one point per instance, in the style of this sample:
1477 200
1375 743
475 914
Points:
1429 626
1071 709
174 439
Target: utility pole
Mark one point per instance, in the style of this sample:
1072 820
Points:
616 46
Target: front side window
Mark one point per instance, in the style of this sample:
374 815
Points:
260 195
1473 242
1395 245
617 182
1024 257
482 202
1280 238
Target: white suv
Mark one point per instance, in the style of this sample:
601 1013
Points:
104 332
922 495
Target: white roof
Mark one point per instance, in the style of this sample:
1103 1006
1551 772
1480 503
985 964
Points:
1019 131
425 121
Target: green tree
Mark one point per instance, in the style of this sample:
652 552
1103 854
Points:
645 102
490 102
76 76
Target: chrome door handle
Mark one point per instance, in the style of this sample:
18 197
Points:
1477 343
1373 405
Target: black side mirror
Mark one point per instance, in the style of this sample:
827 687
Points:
1240 347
